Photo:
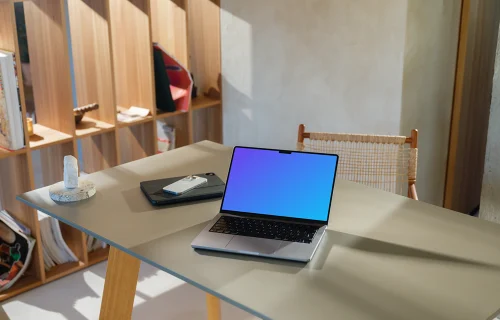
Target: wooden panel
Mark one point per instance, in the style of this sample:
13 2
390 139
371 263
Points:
207 124
52 162
132 53
7 27
181 125
99 152
50 68
169 27
472 100
14 181
90 40
204 42
137 142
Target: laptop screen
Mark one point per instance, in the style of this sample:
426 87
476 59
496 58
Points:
287 184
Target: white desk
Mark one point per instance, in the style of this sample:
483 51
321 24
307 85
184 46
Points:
384 256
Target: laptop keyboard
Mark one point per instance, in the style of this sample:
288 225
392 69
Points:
265 229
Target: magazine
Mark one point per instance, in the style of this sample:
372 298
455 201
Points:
16 249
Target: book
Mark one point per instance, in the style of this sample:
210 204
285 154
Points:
11 121
16 249
55 249
94 244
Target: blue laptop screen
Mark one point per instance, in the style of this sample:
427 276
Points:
269 182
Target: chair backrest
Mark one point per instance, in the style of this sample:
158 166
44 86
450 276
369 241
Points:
384 162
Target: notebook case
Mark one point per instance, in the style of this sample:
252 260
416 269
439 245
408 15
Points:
153 190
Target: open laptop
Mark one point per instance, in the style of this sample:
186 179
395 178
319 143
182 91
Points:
276 204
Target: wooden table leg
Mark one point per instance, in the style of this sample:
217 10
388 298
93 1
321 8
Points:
119 288
213 308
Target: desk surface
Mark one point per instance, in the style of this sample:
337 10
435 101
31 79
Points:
383 257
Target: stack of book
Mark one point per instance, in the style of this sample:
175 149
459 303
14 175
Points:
55 249
16 247
11 121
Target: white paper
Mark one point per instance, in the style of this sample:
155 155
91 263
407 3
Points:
132 114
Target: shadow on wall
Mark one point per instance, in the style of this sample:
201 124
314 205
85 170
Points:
432 31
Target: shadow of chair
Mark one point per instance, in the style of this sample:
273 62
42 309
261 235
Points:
385 162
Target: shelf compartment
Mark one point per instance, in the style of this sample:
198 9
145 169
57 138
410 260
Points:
137 142
99 152
98 255
169 27
44 137
205 102
132 55
49 64
163 115
207 124
62 270
89 127
181 125
91 49
25 283
48 163
203 18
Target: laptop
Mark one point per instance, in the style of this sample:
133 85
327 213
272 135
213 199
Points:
276 204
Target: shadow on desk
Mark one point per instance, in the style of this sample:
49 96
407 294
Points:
343 240
130 196
340 239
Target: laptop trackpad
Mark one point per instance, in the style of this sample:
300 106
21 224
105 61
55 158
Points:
254 245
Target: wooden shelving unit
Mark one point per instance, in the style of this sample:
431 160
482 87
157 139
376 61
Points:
101 52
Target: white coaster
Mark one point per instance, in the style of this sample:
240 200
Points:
85 190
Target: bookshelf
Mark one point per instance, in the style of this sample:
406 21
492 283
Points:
100 51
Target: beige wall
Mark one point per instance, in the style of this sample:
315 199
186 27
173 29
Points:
342 66
490 196
432 28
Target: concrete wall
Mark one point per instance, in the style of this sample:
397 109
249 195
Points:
490 195
341 66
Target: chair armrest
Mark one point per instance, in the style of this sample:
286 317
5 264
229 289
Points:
412 192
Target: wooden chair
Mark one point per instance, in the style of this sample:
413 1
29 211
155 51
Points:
384 162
